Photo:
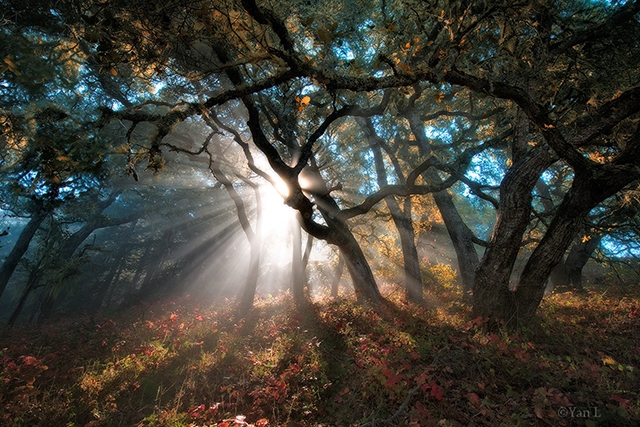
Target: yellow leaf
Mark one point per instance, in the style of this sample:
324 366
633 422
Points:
608 360
113 71
305 100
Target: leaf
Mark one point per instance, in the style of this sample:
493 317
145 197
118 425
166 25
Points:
113 71
436 391
538 411
198 25
325 36
623 402
30 360
305 100
474 399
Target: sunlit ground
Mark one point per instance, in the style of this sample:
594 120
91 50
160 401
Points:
335 363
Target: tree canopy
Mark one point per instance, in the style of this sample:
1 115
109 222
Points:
528 110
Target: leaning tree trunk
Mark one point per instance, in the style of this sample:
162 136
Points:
21 246
589 188
357 265
461 238
32 284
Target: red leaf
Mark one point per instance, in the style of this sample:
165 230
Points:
196 411
478 320
30 360
623 402
263 422
436 391
393 380
422 378
473 399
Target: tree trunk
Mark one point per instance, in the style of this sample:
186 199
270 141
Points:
335 283
568 273
363 281
255 241
462 240
32 284
461 236
155 266
404 225
297 269
337 233
305 262
251 283
578 257
401 218
21 246
492 298
589 188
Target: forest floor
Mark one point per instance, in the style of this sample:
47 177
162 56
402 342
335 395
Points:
331 363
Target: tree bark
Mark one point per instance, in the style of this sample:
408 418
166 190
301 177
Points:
335 283
297 270
21 246
401 218
568 273
461 238
578 257
404 224
492 298
589 188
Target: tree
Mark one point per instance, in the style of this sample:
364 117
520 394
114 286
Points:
564 73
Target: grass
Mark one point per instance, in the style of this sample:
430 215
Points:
330 363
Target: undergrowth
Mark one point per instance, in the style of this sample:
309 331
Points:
329 363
